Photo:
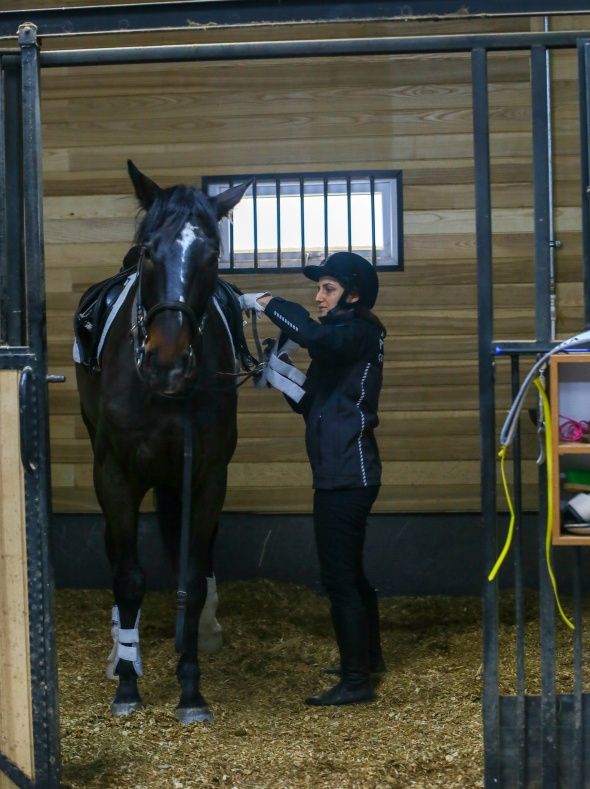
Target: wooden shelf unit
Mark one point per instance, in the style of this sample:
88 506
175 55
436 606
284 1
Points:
569 395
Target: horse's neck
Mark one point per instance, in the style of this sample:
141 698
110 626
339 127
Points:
218 339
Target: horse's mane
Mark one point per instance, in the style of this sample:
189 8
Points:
172 209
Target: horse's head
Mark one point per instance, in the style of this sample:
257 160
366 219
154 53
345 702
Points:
179 240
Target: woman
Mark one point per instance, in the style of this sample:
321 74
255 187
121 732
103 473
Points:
340 410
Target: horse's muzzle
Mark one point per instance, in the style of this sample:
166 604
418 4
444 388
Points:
169 377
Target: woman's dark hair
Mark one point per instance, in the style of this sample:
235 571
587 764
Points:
368 315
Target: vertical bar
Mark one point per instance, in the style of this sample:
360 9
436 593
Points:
15 277
301 200
278 192
547 628
255 219
541 194
349 212
577 761
549 755
38 505
584 103
483 227
325 217
519 590
231 238
373 241
3 261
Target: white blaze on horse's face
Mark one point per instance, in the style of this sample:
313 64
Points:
188 236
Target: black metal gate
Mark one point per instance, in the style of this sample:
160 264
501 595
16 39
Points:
29 754
530 741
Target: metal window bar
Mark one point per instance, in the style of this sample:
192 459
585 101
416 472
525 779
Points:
373 238
255 220
231 238
278 193
349 212
325 217
302 201
483 226
521 761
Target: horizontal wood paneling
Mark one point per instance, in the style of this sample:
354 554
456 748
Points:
180 122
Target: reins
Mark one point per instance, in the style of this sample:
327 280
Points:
140 320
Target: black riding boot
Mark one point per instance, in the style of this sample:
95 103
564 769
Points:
351 628
376 662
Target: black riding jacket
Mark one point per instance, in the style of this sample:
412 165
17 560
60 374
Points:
341 392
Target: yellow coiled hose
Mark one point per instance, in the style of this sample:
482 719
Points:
508 543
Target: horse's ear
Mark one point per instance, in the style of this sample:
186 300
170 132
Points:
225 201
145 189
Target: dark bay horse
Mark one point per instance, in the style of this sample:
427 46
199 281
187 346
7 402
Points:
166 347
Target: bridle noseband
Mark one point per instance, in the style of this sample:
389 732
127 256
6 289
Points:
140 320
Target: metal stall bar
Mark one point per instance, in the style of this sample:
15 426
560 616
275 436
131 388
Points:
316 48
577 761
584 88
191 14
483 229
37 479
3 261
549 754
541 193
13 246
521 755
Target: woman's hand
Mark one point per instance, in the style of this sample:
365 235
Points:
254 301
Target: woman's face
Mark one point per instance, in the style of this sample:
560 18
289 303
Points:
329 293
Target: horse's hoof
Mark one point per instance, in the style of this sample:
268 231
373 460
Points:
210 644
188 715
125 707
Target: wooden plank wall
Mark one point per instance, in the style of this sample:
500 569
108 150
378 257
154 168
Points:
179 122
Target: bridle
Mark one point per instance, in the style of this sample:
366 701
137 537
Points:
140 320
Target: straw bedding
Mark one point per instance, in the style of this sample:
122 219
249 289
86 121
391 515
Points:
424 730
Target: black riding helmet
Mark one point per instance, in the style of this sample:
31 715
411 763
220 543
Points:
353 272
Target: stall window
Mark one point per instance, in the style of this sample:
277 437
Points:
285 221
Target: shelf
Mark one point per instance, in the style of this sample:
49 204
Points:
569 395
574 448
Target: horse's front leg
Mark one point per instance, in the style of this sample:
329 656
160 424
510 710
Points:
120 504
206 508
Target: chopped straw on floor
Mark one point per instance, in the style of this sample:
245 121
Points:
423 731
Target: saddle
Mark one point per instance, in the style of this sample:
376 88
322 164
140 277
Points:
98 301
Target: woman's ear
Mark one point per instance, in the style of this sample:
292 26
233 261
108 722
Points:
352 296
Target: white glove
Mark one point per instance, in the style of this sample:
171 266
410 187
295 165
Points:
248 302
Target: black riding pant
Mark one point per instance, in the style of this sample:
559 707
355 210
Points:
340 520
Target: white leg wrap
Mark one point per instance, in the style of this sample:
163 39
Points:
210 638
125 645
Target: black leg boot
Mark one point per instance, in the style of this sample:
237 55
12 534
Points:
355 685
376 662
